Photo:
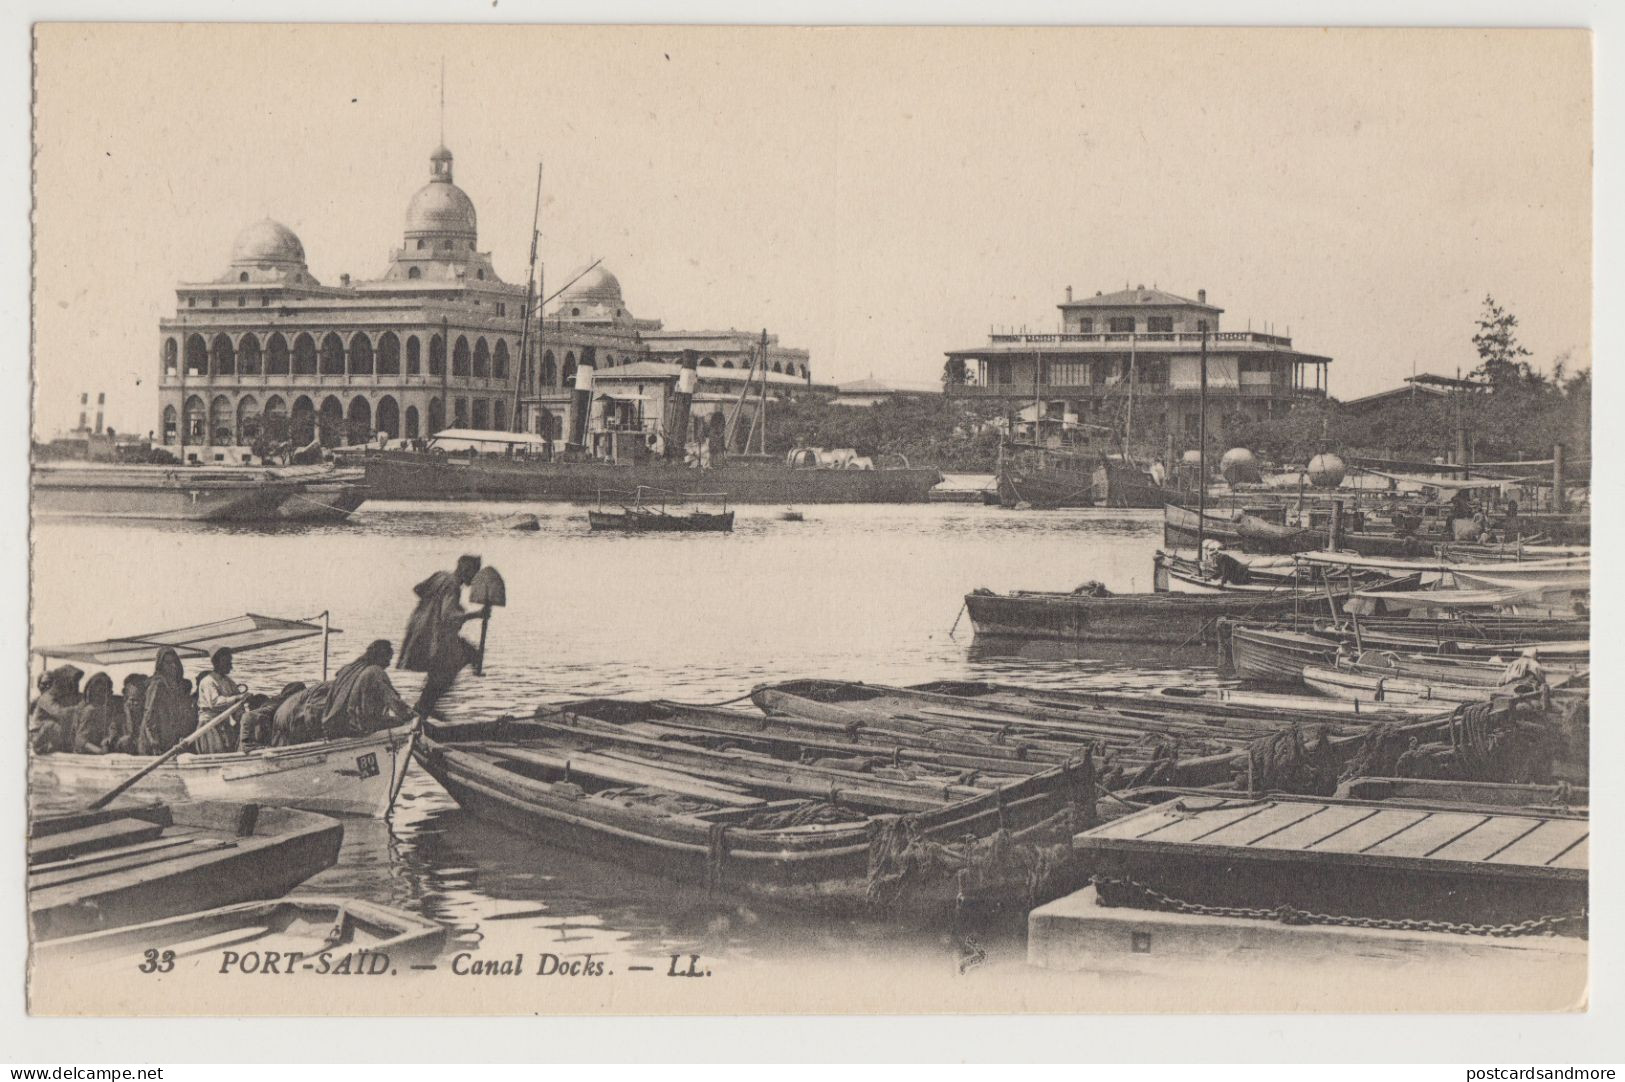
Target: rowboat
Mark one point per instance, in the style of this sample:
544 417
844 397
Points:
635 520
1279 654
88 871
357 776
313 933
1153 617
773 831
647 513
353 776
1351 680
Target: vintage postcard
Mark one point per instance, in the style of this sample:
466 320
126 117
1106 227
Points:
703 520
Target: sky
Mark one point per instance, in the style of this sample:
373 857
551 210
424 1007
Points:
875 196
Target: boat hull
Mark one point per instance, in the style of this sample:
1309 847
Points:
227 853
645 522
408 476
1159 618
354 777
1050 488
331 501
144 495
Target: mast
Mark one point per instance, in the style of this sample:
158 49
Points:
526 362
1201 469
1128 426
764 392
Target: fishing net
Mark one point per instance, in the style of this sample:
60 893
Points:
1479 742
808 814
902 860
1284 762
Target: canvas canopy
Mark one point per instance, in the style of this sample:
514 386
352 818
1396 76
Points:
240 633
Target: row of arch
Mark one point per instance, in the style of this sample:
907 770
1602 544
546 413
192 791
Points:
220 422
225 355
360 356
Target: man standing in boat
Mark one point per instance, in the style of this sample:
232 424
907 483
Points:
433 644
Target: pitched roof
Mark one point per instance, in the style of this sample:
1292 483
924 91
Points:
1124 297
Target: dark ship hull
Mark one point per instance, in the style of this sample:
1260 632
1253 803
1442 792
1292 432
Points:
409 476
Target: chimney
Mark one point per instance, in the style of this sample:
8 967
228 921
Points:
344 279
101 403
1201 296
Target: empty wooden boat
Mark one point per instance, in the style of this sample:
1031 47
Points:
1152 617
106 869
776 832
1349 681
319 932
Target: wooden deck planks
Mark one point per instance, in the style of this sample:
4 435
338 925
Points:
1249 829
1327 821
1368 832
1420 839
109 835
1552 839
1578 856
1490 837
1168 824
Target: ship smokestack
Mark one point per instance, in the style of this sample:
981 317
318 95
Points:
581 405
682 404
84 410
101 406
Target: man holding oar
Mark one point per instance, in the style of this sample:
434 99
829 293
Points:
433 644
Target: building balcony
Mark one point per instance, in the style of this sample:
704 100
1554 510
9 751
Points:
1158 338
1142 391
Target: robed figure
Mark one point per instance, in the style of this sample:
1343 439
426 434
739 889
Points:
433 644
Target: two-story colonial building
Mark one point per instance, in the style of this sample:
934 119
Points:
1137 353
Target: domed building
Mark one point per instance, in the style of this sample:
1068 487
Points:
265 354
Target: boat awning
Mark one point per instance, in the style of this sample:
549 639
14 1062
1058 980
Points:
464 439
241 633
1444 484
1369 603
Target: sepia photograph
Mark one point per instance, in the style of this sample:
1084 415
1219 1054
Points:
706 520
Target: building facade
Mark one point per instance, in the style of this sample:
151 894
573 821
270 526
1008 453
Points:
267 352
1135 356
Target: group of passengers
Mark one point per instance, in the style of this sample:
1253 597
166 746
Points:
156 712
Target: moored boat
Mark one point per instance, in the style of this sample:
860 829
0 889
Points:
358 775
1153 617
189 494
773 831
106 869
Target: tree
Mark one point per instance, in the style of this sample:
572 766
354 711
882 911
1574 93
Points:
1499 351
954 373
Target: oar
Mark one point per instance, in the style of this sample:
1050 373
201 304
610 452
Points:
186 742
486 590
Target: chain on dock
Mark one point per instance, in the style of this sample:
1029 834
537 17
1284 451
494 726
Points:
1118 887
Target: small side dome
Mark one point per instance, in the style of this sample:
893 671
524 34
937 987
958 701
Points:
595 287
267 241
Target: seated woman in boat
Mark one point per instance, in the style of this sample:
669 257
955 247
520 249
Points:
50 723
95 720
131 703
217 692
168 714
362 699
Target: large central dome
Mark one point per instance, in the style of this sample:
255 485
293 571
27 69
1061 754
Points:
440 208
267 241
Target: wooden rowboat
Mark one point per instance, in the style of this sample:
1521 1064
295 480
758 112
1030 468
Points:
776 832
354 776
89 871
1350 682
1153 617
320 933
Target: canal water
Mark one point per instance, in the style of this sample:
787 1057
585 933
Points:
863 592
